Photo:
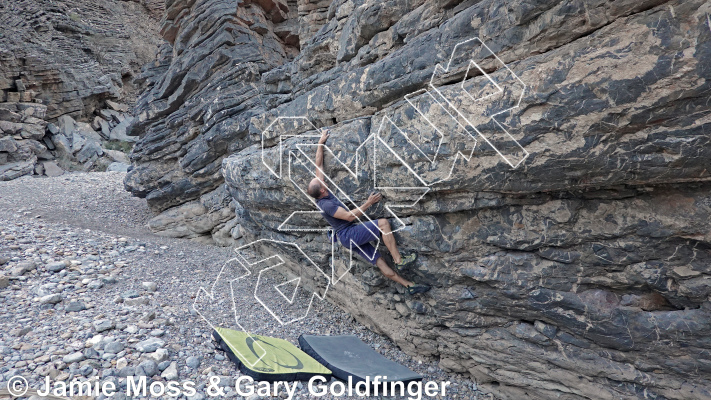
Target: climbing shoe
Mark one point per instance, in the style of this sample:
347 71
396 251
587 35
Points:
417 288
406 260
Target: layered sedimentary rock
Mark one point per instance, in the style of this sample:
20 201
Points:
65 59
22 129
71 54
569 256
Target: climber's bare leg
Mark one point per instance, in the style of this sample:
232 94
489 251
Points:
390 274
389 240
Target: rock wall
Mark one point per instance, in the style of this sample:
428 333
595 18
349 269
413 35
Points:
65 58
71 54
583 273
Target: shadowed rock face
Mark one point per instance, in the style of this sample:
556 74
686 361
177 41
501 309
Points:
581 274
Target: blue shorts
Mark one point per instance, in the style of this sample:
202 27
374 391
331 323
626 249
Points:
357 237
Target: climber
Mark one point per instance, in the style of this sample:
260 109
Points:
360 234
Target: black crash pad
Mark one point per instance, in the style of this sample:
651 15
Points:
266 358
347 356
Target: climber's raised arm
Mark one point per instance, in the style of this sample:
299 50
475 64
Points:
319 155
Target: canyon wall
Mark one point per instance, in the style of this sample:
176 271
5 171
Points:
562 147
66 58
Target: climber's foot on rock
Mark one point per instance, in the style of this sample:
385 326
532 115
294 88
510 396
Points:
405 261
416 288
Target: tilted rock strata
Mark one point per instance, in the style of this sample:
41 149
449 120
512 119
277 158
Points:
583 273
22 130
71 54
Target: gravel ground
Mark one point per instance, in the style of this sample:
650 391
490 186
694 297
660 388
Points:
87 292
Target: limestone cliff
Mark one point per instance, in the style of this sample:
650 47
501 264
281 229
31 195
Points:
582 273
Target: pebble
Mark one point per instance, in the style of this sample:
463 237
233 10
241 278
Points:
95 284
147 368
149 345
75 306
51 299
56 266
121 363
159 355
136 301
73 357
150 286
114 347
19 332
170 373
103 325
163 365
192 362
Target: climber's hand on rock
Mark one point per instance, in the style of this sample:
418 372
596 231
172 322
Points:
374 198
324 137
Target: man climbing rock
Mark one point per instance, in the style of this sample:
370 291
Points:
358 236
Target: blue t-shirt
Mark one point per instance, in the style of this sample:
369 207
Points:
329 205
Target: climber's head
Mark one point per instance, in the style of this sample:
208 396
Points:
316 189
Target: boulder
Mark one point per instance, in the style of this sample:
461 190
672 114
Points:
51 169
119 131
565 222
117 167
117 106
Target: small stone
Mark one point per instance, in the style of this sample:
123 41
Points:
150 286
114 347
163 365
170 373
75 306
86 370
51 299
56 266
95 284
19 332
127 371
96 339
121 363
62 377
73 357
149 345
149 316
103 325
192 362
117 106
147 368
117 167
138 301
22 268
91 353
159 355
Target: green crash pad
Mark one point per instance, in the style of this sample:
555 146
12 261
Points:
280 360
